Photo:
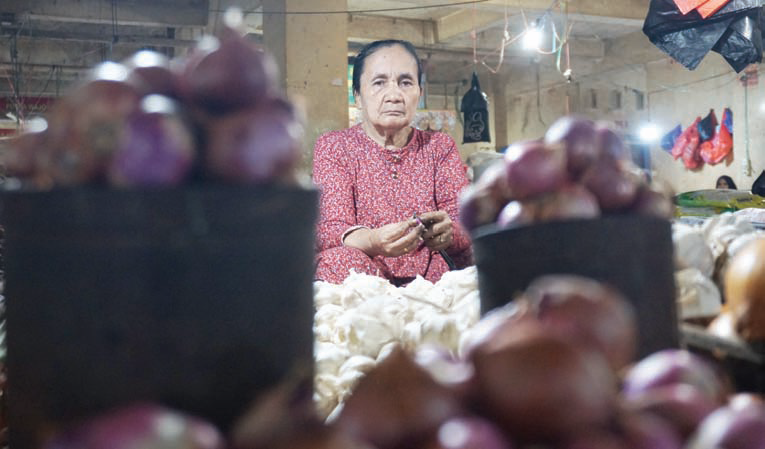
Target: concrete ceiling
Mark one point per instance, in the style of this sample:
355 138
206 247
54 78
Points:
56 41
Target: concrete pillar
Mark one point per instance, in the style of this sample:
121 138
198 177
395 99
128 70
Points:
312 53
501 116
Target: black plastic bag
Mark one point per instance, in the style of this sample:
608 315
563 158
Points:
758 187
734 31
707 126
475 109
668 141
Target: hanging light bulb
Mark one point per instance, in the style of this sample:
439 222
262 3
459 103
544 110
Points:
649 132
532 37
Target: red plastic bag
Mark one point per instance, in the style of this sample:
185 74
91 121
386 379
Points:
686 6
716 150
710 7
684 139
690 151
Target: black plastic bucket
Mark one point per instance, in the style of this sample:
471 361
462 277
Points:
198 298
632 253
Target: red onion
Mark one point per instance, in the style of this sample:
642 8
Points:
481 202
569 203
150 73
653 203
517 213
156 147
614 188
85 127
597 439
576 136
681 405
140 426
500 326
541 388
451 372
256 145
533 169
235 75
610 142
647 431
21 157
587 313
284 417
746 399
397 403
731 428
468 432
674 366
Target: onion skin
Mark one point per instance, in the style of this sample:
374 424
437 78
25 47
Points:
156 148
588 313
681 405
540 388
255 146
731 428
236 75
576 136
674 366
397 404
140 426
533 169
745 290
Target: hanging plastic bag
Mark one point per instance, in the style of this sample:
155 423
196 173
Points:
475 109
716 150
668 141
707 126
727 120
684 139
734 31
686 6
758 187
710 7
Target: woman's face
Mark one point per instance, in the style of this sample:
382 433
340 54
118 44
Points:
722 184
389 90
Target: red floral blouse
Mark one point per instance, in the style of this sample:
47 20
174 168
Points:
365 184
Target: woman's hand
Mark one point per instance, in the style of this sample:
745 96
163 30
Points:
397 239
439 231
392 240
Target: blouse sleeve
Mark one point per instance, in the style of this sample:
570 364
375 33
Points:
333 176
450 180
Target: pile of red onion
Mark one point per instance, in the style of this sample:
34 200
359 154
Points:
580 169
217 114
553 370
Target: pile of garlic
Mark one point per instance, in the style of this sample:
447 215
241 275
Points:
701 254
359 321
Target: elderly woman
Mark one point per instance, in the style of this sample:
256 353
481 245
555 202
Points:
376 175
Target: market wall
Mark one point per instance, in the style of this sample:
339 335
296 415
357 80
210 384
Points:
678 96
666 94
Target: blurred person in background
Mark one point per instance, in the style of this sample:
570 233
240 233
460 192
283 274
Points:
725 182
376 175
